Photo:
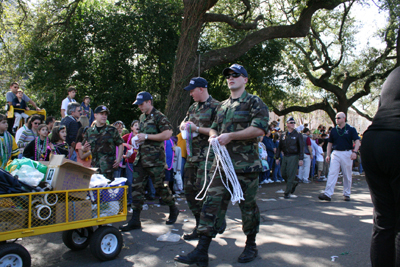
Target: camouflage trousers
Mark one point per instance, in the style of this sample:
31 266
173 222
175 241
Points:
139 182
217 201
193 183
106 169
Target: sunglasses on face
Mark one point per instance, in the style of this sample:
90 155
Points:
234 75
291 122
36 123
338 118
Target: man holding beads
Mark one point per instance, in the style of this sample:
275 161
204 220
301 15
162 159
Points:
154 129
198 120
341 143
239 121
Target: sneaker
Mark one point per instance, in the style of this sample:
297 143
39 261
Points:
346 198
306 181
270 181
278 181
130 210
325 179
322 196
264 182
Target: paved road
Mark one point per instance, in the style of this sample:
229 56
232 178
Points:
295 232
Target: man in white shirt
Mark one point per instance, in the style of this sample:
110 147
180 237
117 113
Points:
67 100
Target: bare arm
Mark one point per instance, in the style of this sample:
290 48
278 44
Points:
328 152
119 158
34 104
356 148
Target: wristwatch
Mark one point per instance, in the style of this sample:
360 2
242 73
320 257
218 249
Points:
145 137
197 129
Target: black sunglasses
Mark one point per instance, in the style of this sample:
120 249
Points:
338 118
234 75
291 122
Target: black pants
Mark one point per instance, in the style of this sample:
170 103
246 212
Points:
381 160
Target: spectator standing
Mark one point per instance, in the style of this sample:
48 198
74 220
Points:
30 134
57 141
269 145
380 157
341 143
292 147
50 120
83 152
304 170
73 125
320 159
69 99
39 149
277 176
87 110
8 147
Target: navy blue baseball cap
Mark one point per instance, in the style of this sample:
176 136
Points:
141 97
290 119
236 68
101 109
196 82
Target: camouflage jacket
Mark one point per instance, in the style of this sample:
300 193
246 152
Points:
238 114
151 153
102 145
202 116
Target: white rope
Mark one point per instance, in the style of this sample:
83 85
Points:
222 157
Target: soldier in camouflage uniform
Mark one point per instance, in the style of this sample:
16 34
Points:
103 140
154 129
198 120
240 120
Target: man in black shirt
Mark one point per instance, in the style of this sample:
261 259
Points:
73 125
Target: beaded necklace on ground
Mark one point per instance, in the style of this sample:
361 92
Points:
39 152
5 147
337 129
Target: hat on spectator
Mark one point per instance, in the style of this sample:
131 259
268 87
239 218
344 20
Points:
196 82
100 109
141 97
290 119
236 68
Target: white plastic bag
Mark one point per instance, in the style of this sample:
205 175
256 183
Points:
169 237
98 180
178 185
29 175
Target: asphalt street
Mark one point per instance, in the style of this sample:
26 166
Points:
302 231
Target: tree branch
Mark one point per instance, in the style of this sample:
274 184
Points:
212 17
299 29
362 114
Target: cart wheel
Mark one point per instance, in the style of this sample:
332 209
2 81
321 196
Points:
12 254
77 239
106 243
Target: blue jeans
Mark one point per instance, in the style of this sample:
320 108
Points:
270 164
262 176
74 156
277 172
313 166
129 176
183 168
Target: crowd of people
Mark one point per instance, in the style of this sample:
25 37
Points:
155 162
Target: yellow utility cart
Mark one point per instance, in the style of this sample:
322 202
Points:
75 212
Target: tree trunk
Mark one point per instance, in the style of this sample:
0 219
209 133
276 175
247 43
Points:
186 64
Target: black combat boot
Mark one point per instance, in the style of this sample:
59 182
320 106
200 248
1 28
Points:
173 214
199 255
134 223
193 235
250 252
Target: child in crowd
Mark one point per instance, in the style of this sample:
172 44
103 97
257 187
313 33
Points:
262 153
130 142
57 141
20 106
83 150
8 147
39 149
320 158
